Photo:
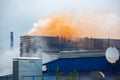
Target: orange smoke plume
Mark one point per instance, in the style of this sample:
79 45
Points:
57 25
91 24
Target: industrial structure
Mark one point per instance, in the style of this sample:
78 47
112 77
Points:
27 68
31 44
80 58
67 55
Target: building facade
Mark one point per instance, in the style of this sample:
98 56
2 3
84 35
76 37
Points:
32 44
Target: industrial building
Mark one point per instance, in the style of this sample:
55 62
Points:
31 44
27 68
84 55
82 64
83 59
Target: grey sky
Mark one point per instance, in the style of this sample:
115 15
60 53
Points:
19 15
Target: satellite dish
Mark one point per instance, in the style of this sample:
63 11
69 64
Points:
112 55
44 68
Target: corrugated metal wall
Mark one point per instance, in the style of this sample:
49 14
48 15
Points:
82 64
27 69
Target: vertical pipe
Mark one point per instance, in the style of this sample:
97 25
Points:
7 78
11 40
33 77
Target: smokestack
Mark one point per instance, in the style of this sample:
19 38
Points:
11 40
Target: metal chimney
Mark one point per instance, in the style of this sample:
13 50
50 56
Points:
11 40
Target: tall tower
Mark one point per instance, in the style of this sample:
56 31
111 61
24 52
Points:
11 40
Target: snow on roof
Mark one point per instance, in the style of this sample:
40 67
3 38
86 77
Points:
27 58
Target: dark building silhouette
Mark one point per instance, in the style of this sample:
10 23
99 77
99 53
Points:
48 44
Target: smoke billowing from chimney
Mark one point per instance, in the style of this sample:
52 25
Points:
91 24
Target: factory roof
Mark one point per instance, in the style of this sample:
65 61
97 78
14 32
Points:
81 53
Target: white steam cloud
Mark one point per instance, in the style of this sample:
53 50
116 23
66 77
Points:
6 61
101 24
46 57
